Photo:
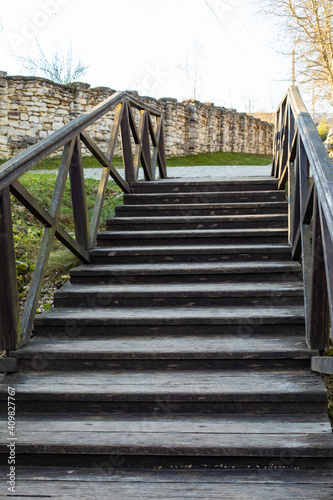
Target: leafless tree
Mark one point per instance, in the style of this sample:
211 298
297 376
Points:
61 67
192 68
309 24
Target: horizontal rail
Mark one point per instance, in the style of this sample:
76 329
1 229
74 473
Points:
301 161
147 137
17 166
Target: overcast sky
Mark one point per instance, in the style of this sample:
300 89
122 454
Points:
152 45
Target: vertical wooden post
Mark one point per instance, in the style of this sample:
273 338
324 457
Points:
126 145
145 148
327 242
305 231
79 200
317 331
10 324
161 151
275 143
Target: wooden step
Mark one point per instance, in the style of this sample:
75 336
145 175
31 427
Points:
194 237
197 223
175 321
202 209
159 316
204 197
175 295
220 436
203 391
209 352
201 253
181 344
276 481
188 272
204 185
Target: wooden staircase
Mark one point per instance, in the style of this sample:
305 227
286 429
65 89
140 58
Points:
181 345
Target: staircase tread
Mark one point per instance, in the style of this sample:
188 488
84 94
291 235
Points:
201 424
205 193
219 476
122 484
249 204
175 315
189 267
207 181
106 426
185 233
174 443
165 347
198 218
204 386
171 249
187 290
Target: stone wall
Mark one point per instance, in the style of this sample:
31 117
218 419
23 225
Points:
32 108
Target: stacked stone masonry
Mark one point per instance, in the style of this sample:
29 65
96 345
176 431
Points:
32 108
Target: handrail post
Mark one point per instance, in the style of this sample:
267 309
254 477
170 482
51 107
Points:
10 323
317 328
79 201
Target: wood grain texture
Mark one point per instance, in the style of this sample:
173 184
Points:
191 347
241 484
10 323
204 386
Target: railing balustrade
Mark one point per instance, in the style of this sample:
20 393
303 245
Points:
148 141
302 163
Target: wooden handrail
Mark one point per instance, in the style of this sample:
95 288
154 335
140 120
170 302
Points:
149 153
301 161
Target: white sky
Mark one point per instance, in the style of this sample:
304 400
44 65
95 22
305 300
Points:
143 44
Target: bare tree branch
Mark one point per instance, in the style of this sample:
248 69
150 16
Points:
309 26
61 68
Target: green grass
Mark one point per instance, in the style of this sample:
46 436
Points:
219 158
28 231
88 162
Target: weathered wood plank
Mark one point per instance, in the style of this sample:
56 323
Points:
204 197
145 148
10 323
328 252
322 364
205 386
175 444
318 323
78 192
186 290
126 145
203 209
163 347
162 316
115 131
190 424
220 476
190 267
141 490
